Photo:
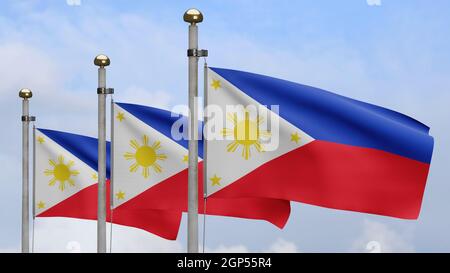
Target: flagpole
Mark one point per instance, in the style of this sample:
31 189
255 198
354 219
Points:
205 121
193 16
111 177
26 95
205 149
102 61
33 197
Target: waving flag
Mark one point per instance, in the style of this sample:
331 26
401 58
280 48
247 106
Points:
332 151
66 185
150 169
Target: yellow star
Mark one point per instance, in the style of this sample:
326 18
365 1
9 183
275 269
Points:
216 84
40 139
215 180
295 138
41 205
120 195
95 176
120 116
186 158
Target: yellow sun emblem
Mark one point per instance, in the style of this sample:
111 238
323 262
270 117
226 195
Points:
61 173
245 133
145 156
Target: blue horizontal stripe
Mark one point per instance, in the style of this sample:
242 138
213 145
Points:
162 121
331 117
82 147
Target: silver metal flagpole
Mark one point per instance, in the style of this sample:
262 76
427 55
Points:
33 198
102 61
26 95
193 16
205 149
111 178
205 121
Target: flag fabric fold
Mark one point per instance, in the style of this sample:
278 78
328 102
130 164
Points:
332 151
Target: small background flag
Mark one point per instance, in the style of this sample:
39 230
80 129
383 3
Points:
150 169
66 185
333 151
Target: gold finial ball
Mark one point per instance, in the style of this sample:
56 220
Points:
102 60
193 16
25 93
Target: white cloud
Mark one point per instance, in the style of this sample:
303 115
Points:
54 105
228 249
143 96
283 246
73 2
56 235
373 2
378 237
25 66
279 246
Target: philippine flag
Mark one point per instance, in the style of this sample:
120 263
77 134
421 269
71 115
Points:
331 151
150 168
66 182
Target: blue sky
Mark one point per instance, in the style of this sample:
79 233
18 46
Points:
394 55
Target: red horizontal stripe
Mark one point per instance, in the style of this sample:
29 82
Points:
83 205
340 177
172 194
158 209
